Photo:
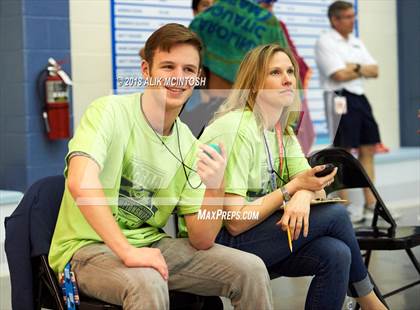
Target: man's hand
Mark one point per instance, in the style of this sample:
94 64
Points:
369 71
346 74
146 257
211 166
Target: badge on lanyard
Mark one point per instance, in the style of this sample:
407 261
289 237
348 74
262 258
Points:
340 105
270 161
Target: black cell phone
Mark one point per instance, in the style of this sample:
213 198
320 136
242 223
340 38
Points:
327 170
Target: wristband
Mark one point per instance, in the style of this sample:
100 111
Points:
357 69
283 206
285 193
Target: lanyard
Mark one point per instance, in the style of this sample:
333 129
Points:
279 136
273 182
69 288
70 302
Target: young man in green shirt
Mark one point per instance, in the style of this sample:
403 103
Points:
130 163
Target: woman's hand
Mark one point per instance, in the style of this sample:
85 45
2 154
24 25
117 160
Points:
211 166
308 181
296 214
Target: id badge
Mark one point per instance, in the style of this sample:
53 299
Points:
340 105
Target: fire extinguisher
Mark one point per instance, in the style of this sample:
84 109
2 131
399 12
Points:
53 89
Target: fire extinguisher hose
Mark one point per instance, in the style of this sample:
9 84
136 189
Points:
40 90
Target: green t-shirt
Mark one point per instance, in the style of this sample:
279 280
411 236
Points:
142 181
247 171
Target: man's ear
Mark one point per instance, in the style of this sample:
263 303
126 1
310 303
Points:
334 20
145 69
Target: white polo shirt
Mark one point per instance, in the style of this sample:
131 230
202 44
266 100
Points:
333 52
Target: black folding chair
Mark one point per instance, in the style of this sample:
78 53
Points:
39 210
391 237
49 294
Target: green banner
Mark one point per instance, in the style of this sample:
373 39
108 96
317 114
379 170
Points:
229 29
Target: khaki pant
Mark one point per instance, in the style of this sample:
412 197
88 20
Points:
218 271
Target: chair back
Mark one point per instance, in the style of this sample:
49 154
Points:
45 212
29 232
350 174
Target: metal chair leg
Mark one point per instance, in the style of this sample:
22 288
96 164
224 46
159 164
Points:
378 292
413 260
367 258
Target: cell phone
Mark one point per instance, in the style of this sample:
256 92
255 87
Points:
327 170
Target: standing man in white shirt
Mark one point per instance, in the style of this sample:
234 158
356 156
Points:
343 62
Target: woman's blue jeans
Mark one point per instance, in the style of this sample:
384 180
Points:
330 252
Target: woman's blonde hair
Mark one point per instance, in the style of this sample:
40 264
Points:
250 78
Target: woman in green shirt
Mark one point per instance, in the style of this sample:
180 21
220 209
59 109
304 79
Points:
269 186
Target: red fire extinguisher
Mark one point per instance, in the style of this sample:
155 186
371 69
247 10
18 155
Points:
54 84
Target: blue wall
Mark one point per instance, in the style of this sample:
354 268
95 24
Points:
30 32
409 70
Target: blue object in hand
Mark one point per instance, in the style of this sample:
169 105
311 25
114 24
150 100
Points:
216 147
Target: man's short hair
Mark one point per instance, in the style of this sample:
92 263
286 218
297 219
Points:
337 7
194 4
168 36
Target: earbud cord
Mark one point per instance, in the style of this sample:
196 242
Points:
172 153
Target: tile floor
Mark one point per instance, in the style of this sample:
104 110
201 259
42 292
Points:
389 270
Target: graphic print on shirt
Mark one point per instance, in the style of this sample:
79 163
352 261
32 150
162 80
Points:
139 182
265 186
